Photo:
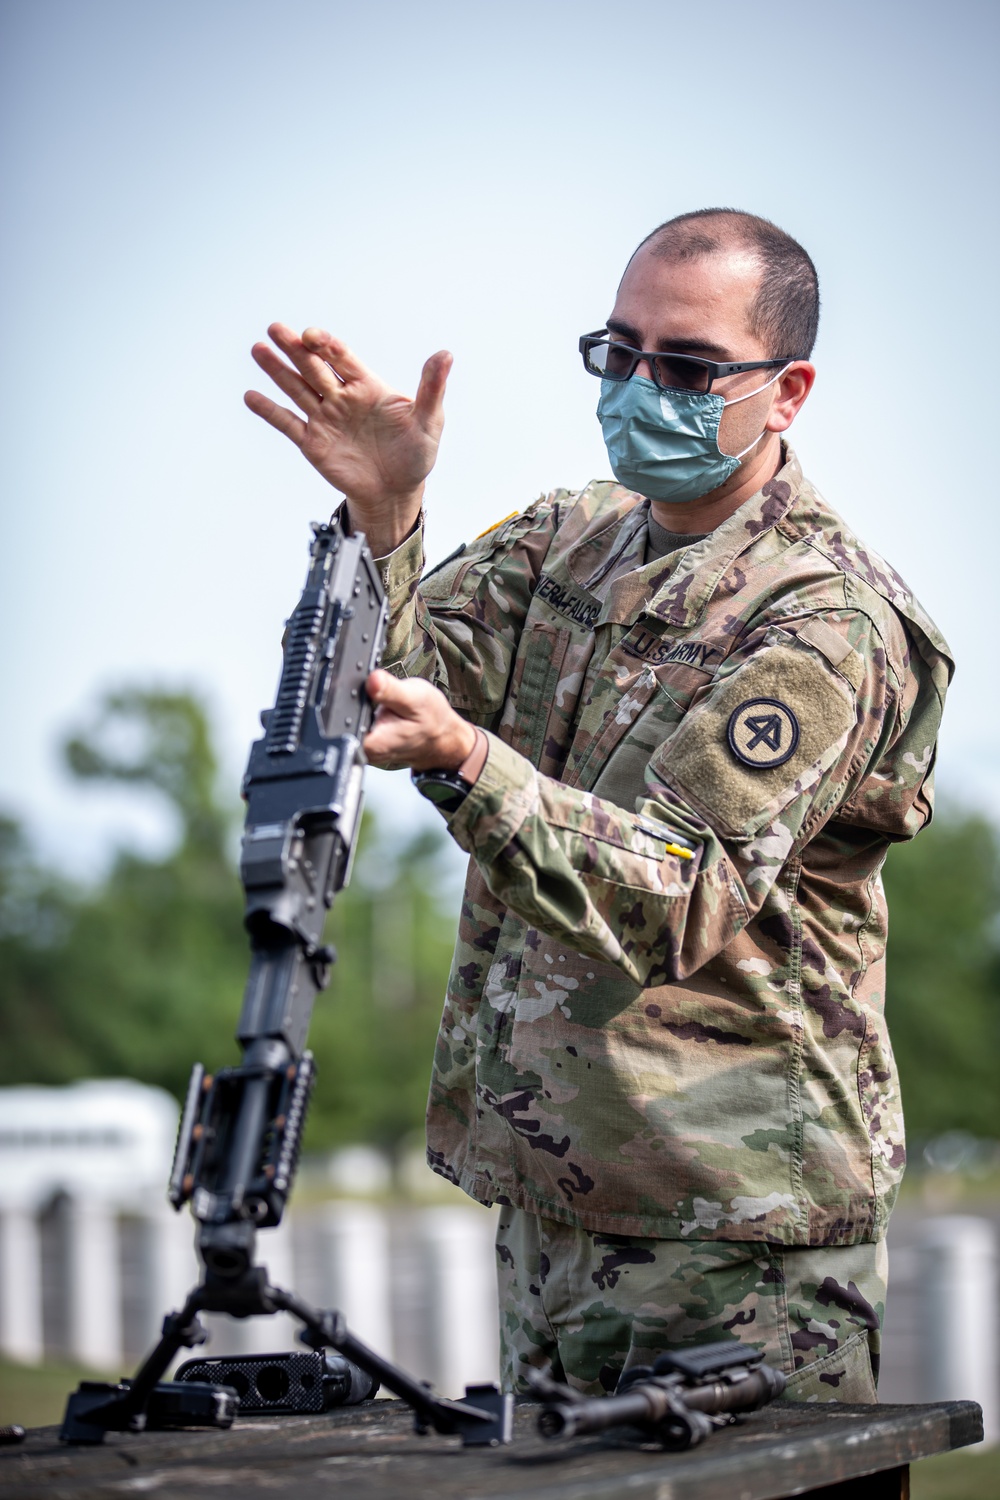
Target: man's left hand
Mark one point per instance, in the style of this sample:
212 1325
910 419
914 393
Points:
415 726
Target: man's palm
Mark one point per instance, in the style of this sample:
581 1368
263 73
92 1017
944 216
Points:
367 440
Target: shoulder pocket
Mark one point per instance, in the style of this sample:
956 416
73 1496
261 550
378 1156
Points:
445 583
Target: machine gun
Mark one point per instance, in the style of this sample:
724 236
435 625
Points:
677 1401
241 1129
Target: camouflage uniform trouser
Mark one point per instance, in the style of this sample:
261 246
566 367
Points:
591 1304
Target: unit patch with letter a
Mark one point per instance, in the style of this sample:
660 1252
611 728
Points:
763 732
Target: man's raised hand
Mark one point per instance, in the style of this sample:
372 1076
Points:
368 441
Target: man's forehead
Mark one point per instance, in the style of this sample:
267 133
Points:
710 293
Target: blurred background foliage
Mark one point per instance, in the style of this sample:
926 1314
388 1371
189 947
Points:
142 974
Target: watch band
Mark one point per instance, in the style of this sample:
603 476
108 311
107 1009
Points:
446 789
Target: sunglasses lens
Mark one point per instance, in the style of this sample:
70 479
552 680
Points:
617 361
679 373
612 361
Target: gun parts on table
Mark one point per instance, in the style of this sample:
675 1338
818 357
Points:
677 1401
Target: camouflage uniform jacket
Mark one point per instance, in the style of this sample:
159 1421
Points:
634 1041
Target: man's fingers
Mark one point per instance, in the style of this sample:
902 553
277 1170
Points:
335 353
313 364
427 407
285 421
389 693
414 725
305 395
324 361
384 744
315 372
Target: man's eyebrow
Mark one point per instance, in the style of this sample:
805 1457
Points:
672 346
625 330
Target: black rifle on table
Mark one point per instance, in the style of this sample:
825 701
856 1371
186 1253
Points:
241 1129
677 1401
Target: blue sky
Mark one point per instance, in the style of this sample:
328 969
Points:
465 176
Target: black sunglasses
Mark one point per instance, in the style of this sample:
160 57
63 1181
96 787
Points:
606 358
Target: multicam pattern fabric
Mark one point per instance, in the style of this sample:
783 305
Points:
635 1041
588 1305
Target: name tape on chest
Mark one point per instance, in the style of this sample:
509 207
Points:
565 602
763 732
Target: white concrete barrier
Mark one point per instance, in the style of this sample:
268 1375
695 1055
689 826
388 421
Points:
415 1284
21 1335
89 1153
91 1257
957 1272
356 1237
461 1283
94 1289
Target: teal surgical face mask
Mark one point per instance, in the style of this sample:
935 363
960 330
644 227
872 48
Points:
665 443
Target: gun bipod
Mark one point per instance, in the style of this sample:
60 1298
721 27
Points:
484 1418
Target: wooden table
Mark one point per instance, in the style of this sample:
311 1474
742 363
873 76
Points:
372 1453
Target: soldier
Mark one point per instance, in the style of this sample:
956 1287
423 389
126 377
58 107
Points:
676 722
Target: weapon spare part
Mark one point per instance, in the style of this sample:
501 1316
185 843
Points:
677 1401
290 1382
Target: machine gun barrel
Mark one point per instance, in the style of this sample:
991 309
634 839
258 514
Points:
755 1390
576 1418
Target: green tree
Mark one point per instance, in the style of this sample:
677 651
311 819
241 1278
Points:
143 974
161 741
374 1030
37 916
139 974
943 991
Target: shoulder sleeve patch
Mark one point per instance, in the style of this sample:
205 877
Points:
763 732
740 751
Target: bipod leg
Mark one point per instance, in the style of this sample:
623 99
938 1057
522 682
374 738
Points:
484 1418
181 1330
100 1406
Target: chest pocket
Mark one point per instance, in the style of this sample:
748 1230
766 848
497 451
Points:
535 722
620 773
616 724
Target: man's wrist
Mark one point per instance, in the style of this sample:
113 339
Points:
461 745
472 766
448 788
386 525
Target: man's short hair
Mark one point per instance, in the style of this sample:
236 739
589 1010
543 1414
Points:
784 315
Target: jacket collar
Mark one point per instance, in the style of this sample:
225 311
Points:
682 595
674 590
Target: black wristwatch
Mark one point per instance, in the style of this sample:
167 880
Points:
446 789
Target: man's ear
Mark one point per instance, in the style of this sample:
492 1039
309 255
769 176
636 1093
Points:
792 390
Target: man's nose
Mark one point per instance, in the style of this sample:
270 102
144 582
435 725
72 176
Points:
644 368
